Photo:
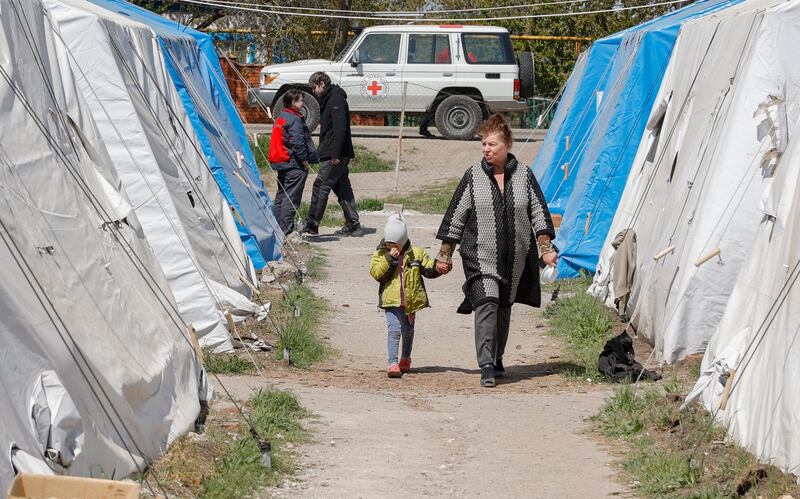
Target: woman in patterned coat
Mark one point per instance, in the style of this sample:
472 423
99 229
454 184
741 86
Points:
500 219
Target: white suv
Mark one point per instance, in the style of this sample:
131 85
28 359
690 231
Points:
459 74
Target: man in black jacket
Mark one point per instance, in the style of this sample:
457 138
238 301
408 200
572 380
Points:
335 152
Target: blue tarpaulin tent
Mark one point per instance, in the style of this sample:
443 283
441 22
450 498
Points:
584 162
194 67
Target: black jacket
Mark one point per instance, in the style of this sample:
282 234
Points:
297 140
335 141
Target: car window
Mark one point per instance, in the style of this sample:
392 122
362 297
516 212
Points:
380 48
429 49
490 48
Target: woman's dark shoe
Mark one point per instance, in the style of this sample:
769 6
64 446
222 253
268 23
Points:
487 376
499 370
349 229
309 229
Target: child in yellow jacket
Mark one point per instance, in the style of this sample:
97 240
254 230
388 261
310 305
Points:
400 267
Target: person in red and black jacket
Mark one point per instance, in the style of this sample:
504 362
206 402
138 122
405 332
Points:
301 151
335 152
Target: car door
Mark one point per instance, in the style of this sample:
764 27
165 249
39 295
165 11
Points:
428 69
373 75
488 64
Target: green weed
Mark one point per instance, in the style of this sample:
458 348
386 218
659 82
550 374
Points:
584 324
302 313
367 161
226 364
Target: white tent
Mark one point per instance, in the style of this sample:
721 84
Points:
186 220
98 375
700 172
754 354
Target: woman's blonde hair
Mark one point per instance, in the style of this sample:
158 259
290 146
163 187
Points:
496 124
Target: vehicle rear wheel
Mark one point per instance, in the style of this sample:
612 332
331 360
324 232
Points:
458 117
526 76
310 109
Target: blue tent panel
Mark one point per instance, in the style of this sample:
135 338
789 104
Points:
194 68
600 131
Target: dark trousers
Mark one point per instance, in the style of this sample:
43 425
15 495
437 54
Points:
291 183
336 178
491 332
425 120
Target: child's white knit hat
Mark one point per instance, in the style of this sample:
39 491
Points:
396 230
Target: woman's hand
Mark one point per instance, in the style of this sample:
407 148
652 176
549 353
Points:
443 267
394 252
550 258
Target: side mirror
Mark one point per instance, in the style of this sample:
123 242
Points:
356 59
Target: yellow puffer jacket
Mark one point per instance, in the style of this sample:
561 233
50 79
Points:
416 265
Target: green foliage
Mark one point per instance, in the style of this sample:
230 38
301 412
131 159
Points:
584 324
367 161
277 416
224 363
316 266
660 474
431 200
238 472
669 453
300 330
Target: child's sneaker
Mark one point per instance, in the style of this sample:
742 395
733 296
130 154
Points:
405 365
394 371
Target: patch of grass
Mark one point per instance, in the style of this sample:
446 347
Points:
660 474
432 200
333 213
238 473
277 416
300 329
224 363
570 286
367 161
260 151
668 453
316 266
224 464
584 324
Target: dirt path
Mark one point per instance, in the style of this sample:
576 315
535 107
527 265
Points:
436 432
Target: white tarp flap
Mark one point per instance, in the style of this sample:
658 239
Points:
56 420
153 147
755 350
86 318
700 190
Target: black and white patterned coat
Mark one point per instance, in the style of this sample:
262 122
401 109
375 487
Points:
497 235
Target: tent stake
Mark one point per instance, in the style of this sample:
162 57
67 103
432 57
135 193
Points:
708 256
726 393
666 251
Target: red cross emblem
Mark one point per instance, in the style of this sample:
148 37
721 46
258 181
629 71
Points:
374 87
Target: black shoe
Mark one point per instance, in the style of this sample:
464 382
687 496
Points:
349 229
499 370
425 132
487 376
308 229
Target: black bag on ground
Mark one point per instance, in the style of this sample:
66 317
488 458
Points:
618 361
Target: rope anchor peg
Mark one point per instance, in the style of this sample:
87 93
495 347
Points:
708 256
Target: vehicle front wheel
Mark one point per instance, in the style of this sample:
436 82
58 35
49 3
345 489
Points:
458 117
310 110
